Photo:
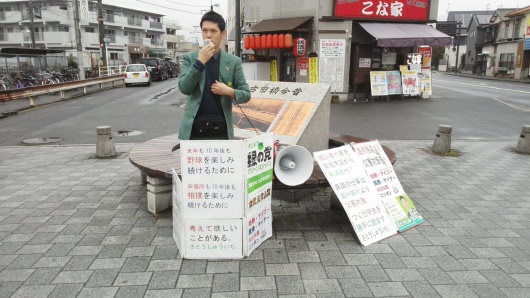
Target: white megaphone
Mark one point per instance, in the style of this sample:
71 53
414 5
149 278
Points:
293 165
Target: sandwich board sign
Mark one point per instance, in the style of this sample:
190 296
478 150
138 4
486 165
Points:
222 205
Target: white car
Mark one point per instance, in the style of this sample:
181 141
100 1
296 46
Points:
136 74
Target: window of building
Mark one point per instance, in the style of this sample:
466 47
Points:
113 56
90 30
506 62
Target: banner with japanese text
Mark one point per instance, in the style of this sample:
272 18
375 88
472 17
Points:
258 227
313 70
426 52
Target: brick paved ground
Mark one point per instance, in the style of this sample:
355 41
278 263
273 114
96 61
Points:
72 225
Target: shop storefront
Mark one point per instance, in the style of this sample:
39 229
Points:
348 39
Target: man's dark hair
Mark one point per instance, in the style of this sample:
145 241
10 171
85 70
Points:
216 18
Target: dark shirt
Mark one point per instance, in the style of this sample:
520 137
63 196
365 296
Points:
211 103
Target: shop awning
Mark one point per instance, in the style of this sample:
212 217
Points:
406 35
276 25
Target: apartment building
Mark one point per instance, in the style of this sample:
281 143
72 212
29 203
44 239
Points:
130 33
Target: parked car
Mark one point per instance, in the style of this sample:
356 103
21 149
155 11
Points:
136 74
172 71
157 68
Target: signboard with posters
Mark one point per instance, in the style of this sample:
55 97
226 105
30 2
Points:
426 52
387 10
425 81
348 179
410 81
224 198
331 66
378 83
393 82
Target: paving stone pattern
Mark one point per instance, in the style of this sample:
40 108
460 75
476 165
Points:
75 226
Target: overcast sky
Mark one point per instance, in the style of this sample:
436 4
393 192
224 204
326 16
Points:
189 13
464 5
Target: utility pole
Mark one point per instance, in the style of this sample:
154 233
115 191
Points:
237 28
31 26
80 58
102 45
457 45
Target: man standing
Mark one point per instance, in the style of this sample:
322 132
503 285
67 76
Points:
212 79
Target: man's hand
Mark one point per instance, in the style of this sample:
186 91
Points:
222 89
206 53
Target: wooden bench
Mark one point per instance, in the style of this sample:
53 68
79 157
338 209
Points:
156 157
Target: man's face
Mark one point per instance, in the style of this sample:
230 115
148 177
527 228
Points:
211 31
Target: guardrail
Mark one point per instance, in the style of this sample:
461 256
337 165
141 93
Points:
32 92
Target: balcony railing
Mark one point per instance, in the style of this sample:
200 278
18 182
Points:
156 42
2 15
108 17
110 38
39 36
134 22
155 25
135 40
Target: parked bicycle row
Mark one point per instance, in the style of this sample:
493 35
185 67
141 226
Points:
17 80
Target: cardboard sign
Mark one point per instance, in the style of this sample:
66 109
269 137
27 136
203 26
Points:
348 179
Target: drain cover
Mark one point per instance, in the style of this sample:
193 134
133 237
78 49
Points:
127 133
40 141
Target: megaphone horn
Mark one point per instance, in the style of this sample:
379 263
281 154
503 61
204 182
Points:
293 165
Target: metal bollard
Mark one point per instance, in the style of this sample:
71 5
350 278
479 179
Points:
523 146
442 142
104 145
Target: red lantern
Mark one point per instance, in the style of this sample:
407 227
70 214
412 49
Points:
281 41
269 41
288 40
275 41
257 42
252 43
263 41
246 42
299 47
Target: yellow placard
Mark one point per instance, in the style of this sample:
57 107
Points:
313 70
274 71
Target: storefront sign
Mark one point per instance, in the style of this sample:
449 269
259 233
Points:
378 83
388 10
393 82
410 82
302 63
426 52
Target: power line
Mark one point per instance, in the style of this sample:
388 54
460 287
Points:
183 4
198 13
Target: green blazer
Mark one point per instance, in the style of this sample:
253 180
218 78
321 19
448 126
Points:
192 82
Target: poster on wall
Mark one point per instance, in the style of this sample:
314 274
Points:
365 62
332 60
389 58
378 83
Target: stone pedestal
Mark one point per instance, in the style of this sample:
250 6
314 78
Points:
159 191
442 142
104 145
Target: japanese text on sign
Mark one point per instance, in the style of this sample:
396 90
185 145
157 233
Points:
383 9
